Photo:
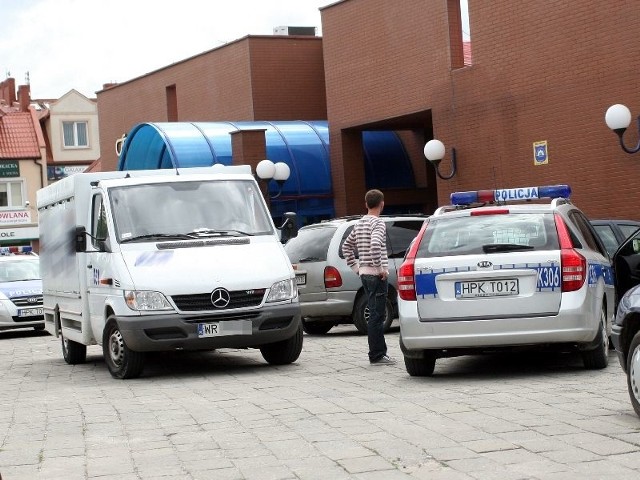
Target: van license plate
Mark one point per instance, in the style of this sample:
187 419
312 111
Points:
487 288
228 327
301 278
30 312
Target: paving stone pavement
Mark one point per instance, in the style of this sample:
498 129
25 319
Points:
229 415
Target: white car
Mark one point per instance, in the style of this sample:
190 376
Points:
491 272
20 289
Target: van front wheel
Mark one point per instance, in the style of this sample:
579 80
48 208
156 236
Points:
121 361
284 352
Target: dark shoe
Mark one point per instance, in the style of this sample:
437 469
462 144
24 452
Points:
384 360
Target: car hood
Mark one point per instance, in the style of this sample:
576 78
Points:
22 288
184 270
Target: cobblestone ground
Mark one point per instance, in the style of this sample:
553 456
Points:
229 415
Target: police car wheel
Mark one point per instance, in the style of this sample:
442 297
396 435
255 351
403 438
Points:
361 315
73 352
598 357
633 372
420 367
121 361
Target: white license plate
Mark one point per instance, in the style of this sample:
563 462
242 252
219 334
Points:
487 288
221 329
30 312
301 278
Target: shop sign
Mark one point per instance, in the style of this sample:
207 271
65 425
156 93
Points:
57 173
12 234
15 217
9 169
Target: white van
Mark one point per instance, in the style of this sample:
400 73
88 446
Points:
163 260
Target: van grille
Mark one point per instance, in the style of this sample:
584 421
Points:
202 301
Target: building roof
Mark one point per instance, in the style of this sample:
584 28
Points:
18 137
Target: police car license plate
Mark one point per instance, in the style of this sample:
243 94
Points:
30 312
487 288
227 327
301 278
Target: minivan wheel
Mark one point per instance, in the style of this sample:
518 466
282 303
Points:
598 357
633 372
361 315
121 361
316 328
420 367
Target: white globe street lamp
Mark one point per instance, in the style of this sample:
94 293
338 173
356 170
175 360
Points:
267 171
618 119
434 151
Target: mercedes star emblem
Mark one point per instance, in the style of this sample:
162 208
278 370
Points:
220 297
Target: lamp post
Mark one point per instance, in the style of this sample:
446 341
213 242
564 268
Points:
434 151
267 171
618 119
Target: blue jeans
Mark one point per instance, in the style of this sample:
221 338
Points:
375 288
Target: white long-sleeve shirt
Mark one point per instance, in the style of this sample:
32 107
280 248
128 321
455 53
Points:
369 239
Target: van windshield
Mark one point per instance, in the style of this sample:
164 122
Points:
189 209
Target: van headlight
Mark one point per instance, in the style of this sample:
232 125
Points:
146 300
283 290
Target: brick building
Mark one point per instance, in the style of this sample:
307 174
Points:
540 72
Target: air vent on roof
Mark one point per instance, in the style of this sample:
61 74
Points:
309 31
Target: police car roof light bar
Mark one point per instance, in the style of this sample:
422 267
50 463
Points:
15 250
510 194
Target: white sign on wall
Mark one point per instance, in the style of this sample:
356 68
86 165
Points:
15 217
29 233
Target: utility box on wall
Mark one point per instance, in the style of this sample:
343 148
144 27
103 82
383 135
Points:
309 31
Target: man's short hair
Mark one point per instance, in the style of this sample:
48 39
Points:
373 198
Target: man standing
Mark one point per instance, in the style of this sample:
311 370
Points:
369 239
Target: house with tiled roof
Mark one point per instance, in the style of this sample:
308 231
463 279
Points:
70 127
23 165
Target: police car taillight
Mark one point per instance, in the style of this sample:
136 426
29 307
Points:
332 278
510 194
406 273
572 265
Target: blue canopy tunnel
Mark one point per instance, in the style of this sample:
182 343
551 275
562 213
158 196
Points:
302 145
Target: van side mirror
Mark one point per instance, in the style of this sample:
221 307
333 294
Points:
81 238
289 229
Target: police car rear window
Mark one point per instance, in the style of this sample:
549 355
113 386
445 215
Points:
467 235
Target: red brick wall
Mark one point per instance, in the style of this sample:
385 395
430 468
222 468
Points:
541 71
254 78
287 78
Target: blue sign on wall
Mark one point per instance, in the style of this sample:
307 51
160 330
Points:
540 153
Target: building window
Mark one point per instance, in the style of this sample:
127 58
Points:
75 134
11 194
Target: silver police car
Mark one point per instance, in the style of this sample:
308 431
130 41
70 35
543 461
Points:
491 272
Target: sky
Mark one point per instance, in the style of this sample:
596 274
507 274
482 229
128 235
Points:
83 44
61 45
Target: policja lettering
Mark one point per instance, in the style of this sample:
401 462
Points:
516 194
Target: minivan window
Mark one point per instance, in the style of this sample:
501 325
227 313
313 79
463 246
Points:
311 245
399 236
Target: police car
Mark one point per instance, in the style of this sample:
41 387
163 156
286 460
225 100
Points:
503 269
20 289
